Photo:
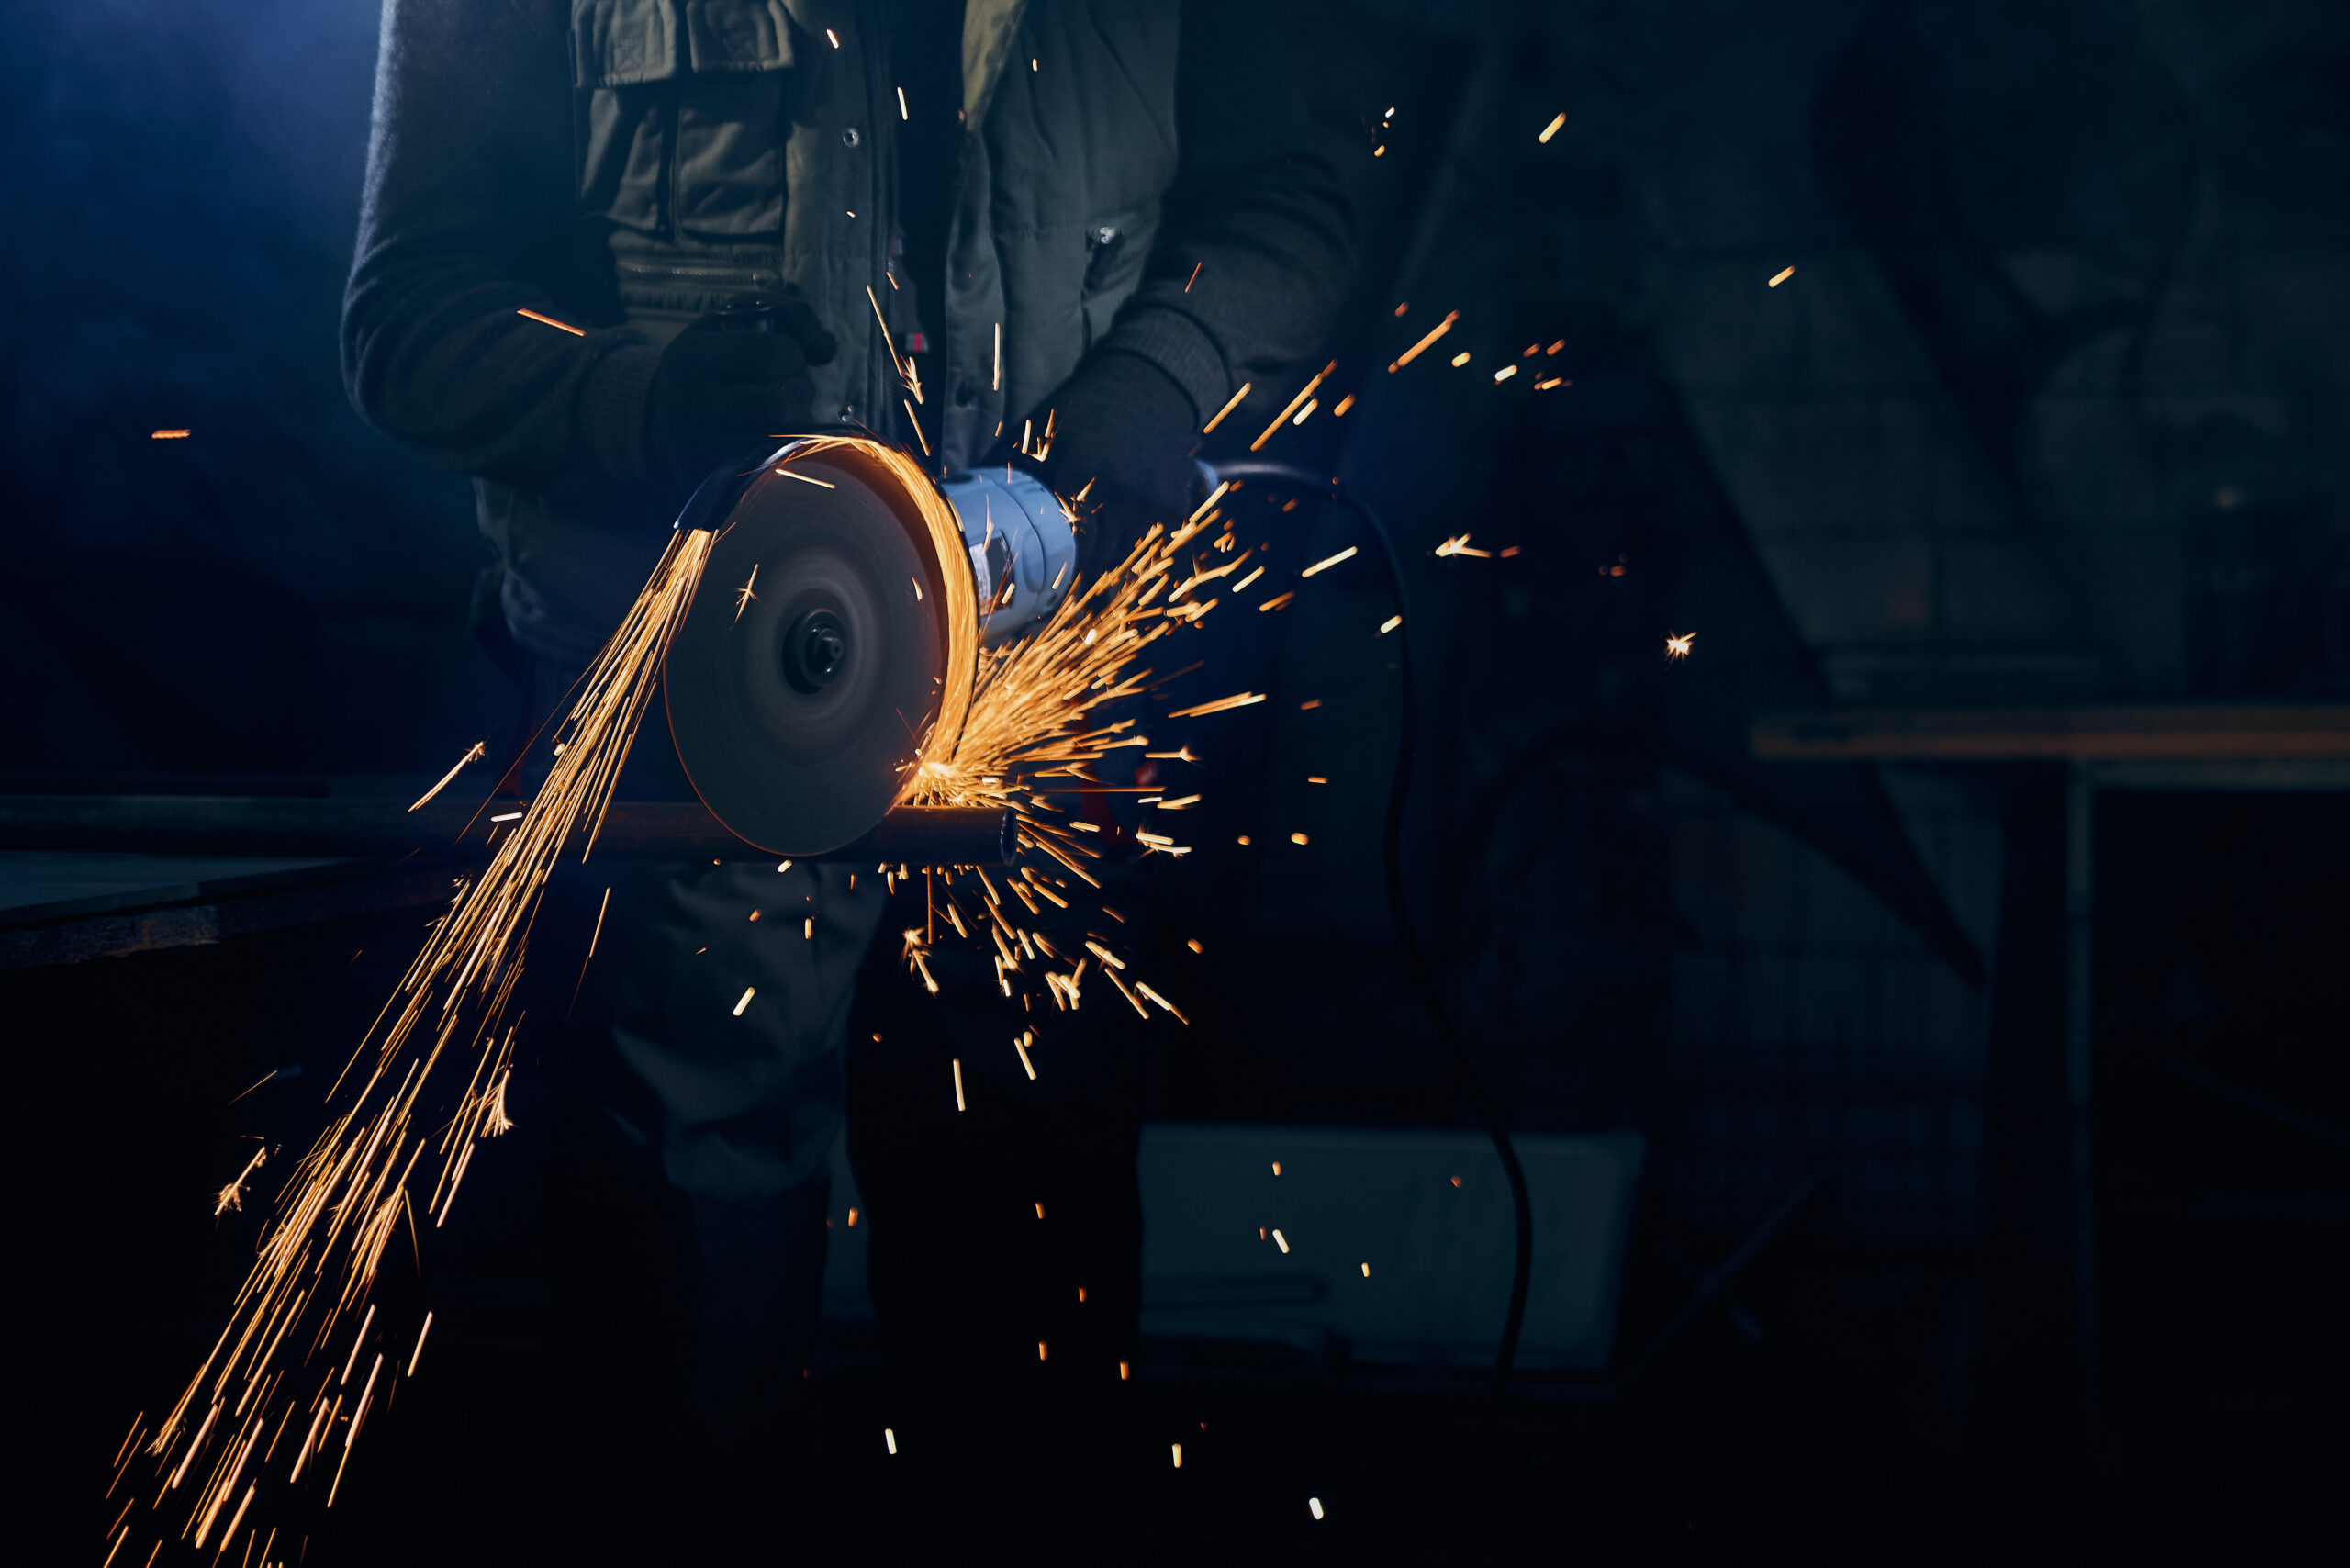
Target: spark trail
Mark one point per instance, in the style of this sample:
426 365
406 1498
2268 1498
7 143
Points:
303 1323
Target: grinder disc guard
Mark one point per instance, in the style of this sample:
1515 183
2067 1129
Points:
800 710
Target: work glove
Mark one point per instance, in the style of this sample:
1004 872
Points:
735 376
1126 427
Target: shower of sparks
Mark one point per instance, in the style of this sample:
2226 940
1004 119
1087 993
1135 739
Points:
550 321
392 1149
1676 646
1782 275
1039 721
480 749
1030 731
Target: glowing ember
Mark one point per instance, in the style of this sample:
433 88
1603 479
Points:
476 755
550 321
1408 355
232 1195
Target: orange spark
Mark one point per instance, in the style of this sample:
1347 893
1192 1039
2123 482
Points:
1230 404
550 321
480 749
1304 393
1409 354
1239 699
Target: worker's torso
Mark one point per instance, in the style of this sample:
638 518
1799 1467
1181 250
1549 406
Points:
727 144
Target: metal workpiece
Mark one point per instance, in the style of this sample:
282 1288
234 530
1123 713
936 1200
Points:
632 830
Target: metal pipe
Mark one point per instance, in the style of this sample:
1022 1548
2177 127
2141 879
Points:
633 830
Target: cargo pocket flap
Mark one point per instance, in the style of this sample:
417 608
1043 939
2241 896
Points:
729 35
625 43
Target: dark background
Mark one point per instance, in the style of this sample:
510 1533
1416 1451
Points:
2054 409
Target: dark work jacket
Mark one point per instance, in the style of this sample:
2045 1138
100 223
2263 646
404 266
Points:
1134 177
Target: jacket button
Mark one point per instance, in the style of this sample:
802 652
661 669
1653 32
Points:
966 394
849 137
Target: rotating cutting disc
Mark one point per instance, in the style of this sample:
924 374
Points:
799 706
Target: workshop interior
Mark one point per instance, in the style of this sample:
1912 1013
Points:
1364 781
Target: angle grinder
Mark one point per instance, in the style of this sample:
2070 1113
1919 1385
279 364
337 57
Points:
836 632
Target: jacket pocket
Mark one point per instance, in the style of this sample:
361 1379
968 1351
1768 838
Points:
1117 248
683 118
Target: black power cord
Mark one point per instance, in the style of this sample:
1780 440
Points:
1391 853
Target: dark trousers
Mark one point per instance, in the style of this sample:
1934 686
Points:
682 1327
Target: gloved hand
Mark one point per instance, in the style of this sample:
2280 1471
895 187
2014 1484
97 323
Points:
731 378
1125 425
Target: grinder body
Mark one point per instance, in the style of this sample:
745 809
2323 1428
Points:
1022 546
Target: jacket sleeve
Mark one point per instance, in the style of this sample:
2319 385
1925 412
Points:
465 220
1257 245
